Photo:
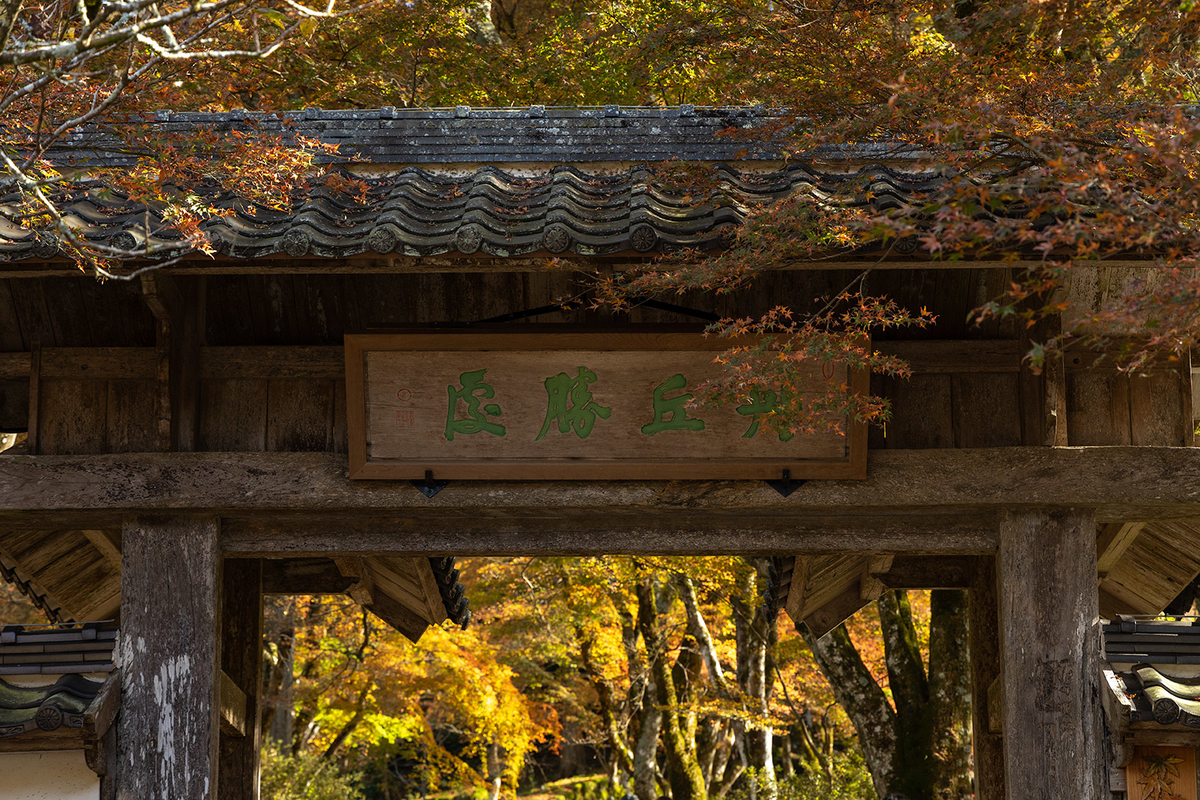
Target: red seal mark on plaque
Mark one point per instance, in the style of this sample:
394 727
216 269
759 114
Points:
404 418
404 395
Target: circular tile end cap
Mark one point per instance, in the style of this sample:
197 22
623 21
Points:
1165 711
382 240
468 239
46 245
556 238
49 718
296 243
643 238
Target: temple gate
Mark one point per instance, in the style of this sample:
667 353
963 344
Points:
195 435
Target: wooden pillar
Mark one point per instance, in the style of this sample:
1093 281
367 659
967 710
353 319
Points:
170 583
1050 651
984 647
241 660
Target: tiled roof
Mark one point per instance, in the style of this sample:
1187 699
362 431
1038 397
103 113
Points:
64 650
1156 697
485 212
459 135
24 709
56 649
1131 640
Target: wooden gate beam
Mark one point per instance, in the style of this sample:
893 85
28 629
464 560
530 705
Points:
96 491
600 532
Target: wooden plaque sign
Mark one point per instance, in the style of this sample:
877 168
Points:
567 406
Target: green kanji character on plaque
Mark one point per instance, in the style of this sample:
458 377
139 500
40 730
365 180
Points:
670 413
569 402
761 402
473 388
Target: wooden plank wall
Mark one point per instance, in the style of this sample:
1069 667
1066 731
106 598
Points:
1107 407
963 395
294 399
102 399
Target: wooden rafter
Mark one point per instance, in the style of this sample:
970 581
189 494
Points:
1112 542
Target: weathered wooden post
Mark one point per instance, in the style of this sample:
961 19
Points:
170 585
984 649
1050 650
241 678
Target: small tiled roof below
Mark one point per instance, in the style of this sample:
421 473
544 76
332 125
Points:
46 708
56 650
1160 698
1133 640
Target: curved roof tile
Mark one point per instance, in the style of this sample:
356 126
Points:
486 211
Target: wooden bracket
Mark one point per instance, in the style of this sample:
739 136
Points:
105 544
304 576
98 721
362 591
1112 542
233 707
794 606
833 613
995 706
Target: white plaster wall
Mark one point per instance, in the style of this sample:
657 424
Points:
51 775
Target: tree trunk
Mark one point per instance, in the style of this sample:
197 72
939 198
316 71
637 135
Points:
950 694
760 683
482 26
699 631
861 698
687 782
622 756
495 770
912 763
360 711
756 635
646 716
645 753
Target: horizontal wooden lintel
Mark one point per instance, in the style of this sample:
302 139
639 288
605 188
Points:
327 362
372 264
906 493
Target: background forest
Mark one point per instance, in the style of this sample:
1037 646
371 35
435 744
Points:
586 679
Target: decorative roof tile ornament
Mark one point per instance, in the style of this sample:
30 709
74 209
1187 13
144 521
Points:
46 246
643 238
124 240
50 717
468 239
382 240
556 238
296 243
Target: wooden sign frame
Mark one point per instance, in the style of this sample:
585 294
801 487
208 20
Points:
357 348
